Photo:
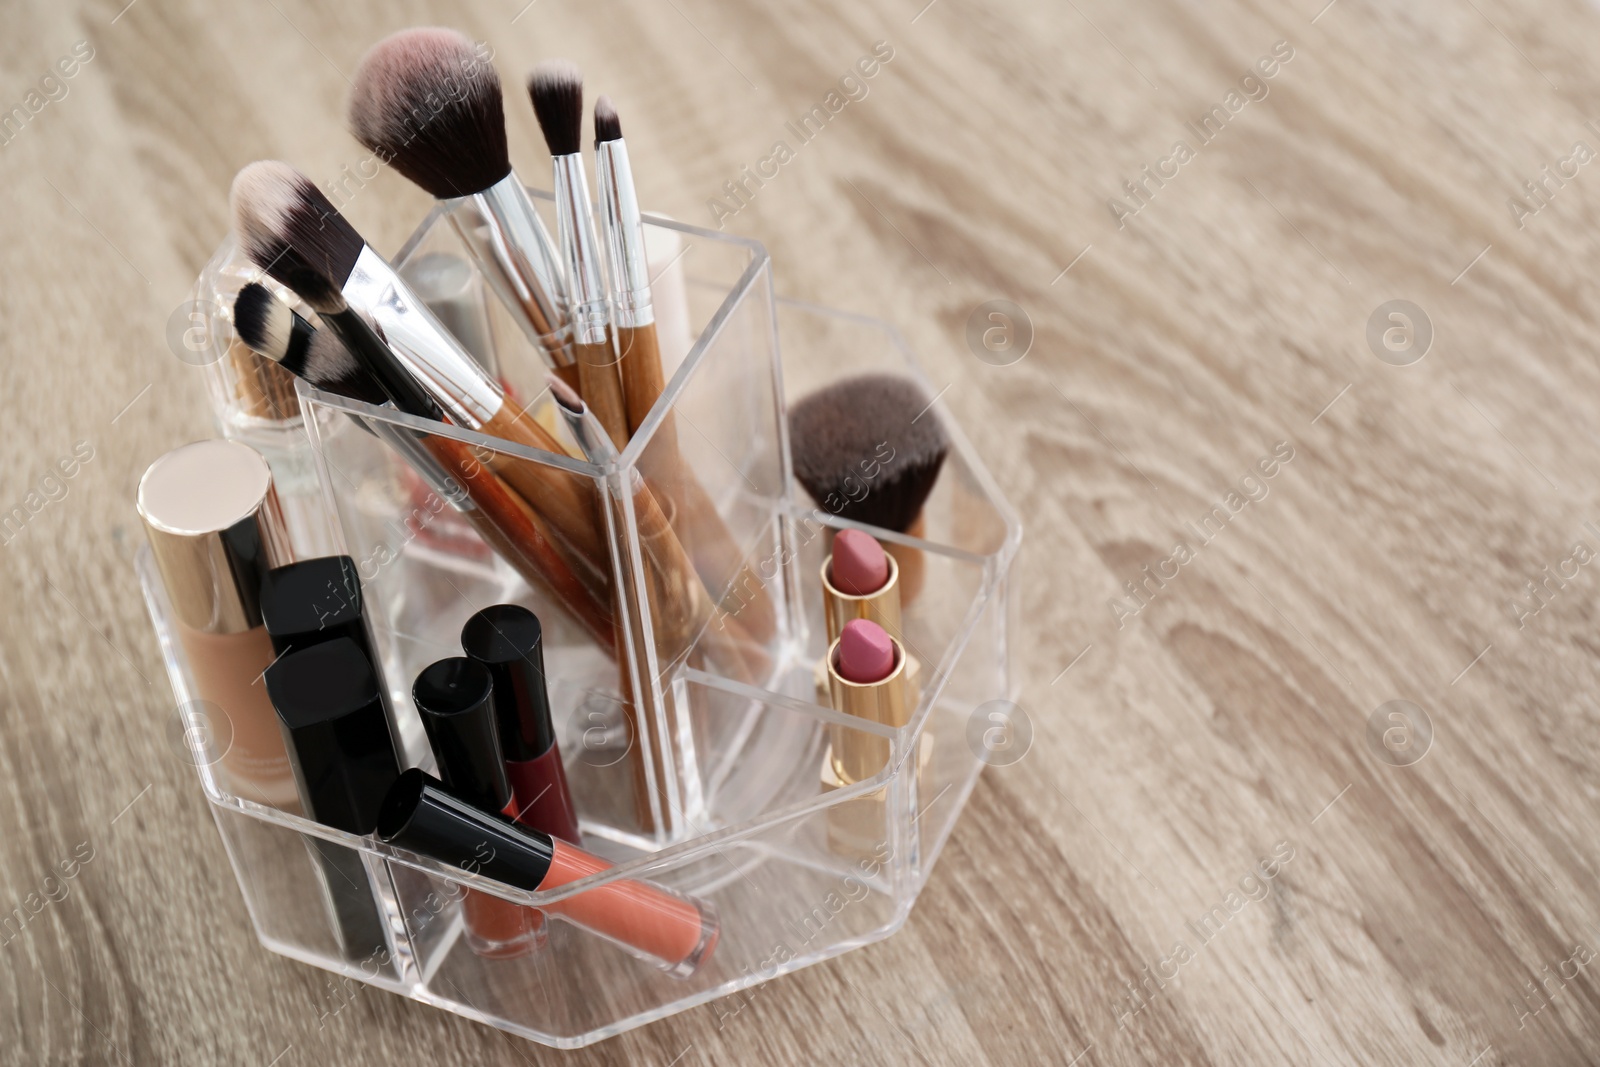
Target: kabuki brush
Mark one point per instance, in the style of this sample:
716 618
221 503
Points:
430 105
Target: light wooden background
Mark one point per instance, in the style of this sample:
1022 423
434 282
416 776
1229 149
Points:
1170 753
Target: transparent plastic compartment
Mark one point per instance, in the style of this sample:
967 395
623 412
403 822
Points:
711 785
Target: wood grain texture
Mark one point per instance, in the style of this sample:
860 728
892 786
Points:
1174 749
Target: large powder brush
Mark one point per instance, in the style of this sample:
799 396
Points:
869 448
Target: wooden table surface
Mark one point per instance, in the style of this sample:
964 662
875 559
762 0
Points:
1433 895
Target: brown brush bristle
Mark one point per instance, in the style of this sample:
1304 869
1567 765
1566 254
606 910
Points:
292 231
430 105
868 448
607 125
556 88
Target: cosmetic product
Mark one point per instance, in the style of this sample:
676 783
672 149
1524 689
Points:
716 554
623 237
869 449
869 676
860 581
214 526
315 600
508 640
274 330
556 88
289 228
453 291
650 921
334 722
429 102
456 699
359 362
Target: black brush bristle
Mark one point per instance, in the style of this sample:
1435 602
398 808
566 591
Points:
263 323
278 332
426 102
556 88
329 366
607 126
869 449
292 231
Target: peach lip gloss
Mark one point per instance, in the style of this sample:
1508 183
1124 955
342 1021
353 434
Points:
455 697
420 815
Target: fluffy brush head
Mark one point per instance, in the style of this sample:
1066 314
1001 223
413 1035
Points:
292 231
556 87
428 104
607 126
842 437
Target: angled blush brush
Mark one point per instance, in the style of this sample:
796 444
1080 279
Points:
556 89
291 230
426 102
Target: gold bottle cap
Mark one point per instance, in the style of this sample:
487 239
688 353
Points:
215 529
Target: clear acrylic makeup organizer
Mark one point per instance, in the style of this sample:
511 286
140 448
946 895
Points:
734 811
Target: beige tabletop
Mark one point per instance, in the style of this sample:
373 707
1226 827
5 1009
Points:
1198 315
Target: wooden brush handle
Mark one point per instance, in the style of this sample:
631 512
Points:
601 388
642 378
568 373
511 528
709 541
565 500
680 609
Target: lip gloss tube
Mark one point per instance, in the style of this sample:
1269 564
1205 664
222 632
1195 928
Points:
455 698
509 641
676 932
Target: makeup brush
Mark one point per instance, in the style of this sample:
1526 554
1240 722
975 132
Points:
291 230
623 236
680 612
556 88
501 517
869 448
426 102
717 556
276 331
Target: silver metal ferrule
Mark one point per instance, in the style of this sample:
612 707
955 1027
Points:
586 287
423 345
592 439
623 235
503 231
